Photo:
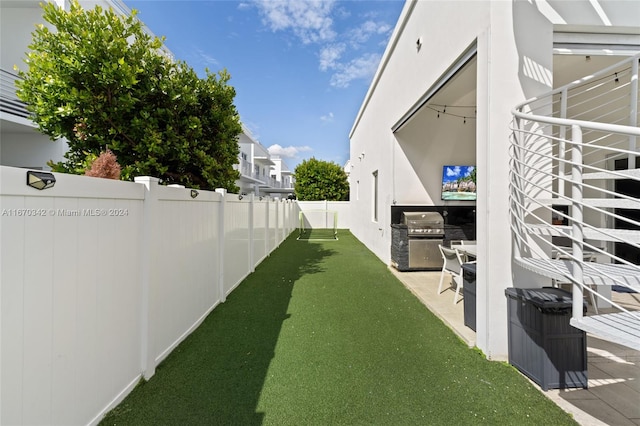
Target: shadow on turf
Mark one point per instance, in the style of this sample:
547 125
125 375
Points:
216 375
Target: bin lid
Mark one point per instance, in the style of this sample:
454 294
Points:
544 298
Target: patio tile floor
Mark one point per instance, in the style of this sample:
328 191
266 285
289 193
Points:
613 396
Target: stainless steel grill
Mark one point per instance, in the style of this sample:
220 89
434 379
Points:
424 224
425 232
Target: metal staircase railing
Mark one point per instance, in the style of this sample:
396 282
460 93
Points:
575 193
9 102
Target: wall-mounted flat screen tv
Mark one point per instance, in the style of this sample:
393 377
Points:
459 183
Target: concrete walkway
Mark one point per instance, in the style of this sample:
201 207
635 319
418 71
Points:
613 396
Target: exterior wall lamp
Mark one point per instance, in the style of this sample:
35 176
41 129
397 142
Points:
40 180
194 193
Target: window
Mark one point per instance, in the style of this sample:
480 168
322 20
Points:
375 196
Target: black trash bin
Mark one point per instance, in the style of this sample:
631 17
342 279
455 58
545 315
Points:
469 293
542 344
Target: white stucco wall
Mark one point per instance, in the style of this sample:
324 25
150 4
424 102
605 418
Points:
30 150
17 23
408 74
21 145
19 20
514 42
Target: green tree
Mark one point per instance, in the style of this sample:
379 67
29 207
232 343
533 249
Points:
321 180
100 81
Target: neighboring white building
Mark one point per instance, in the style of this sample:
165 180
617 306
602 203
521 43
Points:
21 144
282 178
443 94
261 173
254 164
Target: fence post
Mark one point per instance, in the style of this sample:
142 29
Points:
277 223
252 266
150 207
266 226
221 239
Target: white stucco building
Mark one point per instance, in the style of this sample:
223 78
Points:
282 177
21 145
443 95
261 173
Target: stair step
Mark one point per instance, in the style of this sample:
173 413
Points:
618 174
593 273
622 327
598 234
606 203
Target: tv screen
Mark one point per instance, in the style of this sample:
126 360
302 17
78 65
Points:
459 183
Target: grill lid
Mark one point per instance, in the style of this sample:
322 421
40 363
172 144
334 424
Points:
423 223
422 219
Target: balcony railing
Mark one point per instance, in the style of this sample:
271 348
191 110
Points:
274 183
247 169
9 102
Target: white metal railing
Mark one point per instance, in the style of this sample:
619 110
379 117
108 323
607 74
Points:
574 187
9 102
246 168
275 183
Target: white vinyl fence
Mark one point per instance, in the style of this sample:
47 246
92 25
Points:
100 280
314 220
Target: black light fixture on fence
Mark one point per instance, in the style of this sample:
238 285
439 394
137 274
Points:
40 180
194 193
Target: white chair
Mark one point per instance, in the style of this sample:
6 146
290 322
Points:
467 257
452 264
458 243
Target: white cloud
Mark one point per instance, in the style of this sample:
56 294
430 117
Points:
288 152
327 118
330 54
363 68
309 20
453 171
312 22
367 29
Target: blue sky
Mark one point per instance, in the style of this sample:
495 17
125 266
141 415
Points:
300 68
453 173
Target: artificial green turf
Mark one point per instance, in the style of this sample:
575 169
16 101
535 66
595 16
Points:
323 334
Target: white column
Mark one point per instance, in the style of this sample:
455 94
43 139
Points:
577 219
515 57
